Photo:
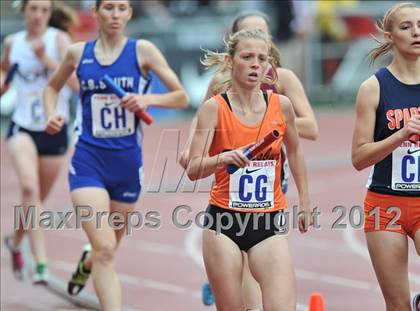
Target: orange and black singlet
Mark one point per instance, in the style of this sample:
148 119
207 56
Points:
255 188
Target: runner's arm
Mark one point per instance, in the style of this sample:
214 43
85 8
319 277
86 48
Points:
152 59
294 153
305 121
366 152
184 158
64 70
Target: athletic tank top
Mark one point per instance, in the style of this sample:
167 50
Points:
255 188
102 121
31 78
399 172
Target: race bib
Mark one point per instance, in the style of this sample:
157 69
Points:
109 119
253 186
406 169
36 109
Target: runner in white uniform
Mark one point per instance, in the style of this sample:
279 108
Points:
36 156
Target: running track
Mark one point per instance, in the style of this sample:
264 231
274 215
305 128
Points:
162 269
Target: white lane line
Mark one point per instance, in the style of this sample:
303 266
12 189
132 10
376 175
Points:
136 281
157 248
30 306
355 245
64 266
320 244
361 250
163 286
335 280
145 246
192 241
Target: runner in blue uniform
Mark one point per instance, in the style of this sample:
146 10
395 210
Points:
388 114
106 168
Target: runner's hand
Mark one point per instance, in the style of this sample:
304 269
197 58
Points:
54 124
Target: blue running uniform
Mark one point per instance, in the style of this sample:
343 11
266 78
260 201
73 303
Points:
399 172
108 152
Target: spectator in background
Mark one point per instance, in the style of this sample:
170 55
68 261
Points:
293 20
332 26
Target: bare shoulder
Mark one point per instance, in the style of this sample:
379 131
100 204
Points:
63 36
7 44
63 42
369 93
285 101
284 73
286 106
77 48
287 78
145 46
144 42
207 114
370 84
282 77
209 107
8 40
75 51
149 56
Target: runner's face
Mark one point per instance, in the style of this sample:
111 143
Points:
113 16
405 34
37 14
249 62
253 22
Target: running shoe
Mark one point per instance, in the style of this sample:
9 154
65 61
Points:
416 302
40 276
81 275
207 295
17 257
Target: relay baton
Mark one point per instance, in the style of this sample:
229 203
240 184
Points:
252 151
147 118
11 74
414 138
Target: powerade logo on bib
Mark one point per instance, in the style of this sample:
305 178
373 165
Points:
253 186
406 167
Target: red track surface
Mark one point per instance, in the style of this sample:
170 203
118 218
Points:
161 269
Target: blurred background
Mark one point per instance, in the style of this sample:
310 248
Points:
324 42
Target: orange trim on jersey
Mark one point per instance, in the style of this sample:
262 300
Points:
231 134
406 221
